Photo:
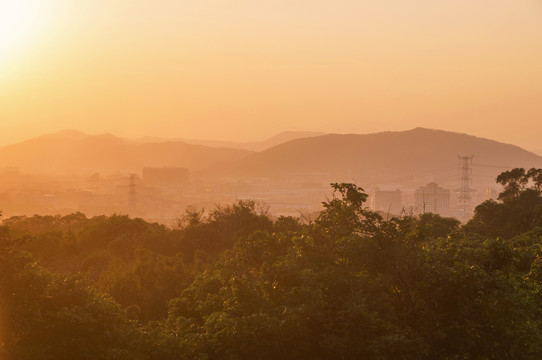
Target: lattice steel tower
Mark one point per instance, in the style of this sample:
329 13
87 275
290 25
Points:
464 199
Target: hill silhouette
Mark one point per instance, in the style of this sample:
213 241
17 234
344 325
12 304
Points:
278 139
403 157
73 152
380 158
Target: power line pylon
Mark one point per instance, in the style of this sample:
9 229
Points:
464 199
132 198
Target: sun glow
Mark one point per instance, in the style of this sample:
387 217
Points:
21 24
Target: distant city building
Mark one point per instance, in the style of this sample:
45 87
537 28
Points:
388 202
431 198
491 194
165 176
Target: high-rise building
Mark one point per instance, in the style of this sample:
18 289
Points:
491 194
388 202
431 198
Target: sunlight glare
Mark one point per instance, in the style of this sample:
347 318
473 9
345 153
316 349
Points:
21 23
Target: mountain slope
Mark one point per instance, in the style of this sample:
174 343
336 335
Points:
252 145
380 158
74 152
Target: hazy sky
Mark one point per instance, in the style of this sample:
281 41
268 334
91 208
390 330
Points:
246 69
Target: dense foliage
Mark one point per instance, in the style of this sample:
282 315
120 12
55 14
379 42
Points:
237 284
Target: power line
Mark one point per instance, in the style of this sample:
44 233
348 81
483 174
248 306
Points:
493 166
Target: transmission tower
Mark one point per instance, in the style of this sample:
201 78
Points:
464 199
132 200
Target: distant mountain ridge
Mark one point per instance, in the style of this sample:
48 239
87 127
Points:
251 145
399 157
74 152
378 158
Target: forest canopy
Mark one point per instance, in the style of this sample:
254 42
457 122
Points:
235 283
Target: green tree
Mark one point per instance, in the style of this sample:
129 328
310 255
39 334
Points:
355 286
518 210
51 317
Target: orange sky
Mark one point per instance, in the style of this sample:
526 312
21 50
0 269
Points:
246 69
